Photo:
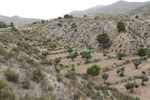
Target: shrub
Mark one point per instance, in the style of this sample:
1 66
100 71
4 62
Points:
121 71
141 52
26 83
59 78
86 54
76 96
121 26
45 53
11 76
2 51
37 75
72 56
6 92
94 70
103 39
120 55
71 75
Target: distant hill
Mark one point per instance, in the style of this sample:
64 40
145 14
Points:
86 12
143 11
119 7
18 21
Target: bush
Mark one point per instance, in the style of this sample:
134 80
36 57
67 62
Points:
141 52
72 56
26 83
120 55
86 54
121 71
121 26
45 53
6 92
2 51
103 39
11 76
37 75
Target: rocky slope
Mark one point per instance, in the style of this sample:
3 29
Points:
27 75
82 32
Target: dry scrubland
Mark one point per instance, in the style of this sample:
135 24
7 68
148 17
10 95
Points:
51 60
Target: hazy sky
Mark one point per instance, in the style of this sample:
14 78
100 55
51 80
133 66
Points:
46 9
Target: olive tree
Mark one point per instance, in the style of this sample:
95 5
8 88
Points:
105 77
144 79
136 63
131 86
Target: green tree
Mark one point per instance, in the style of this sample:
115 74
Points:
121 26
12 24
68 16
120 55
72 56
94 70
3 24
136 63
141 52
120 72
105 77
131 86
144 79
103 39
